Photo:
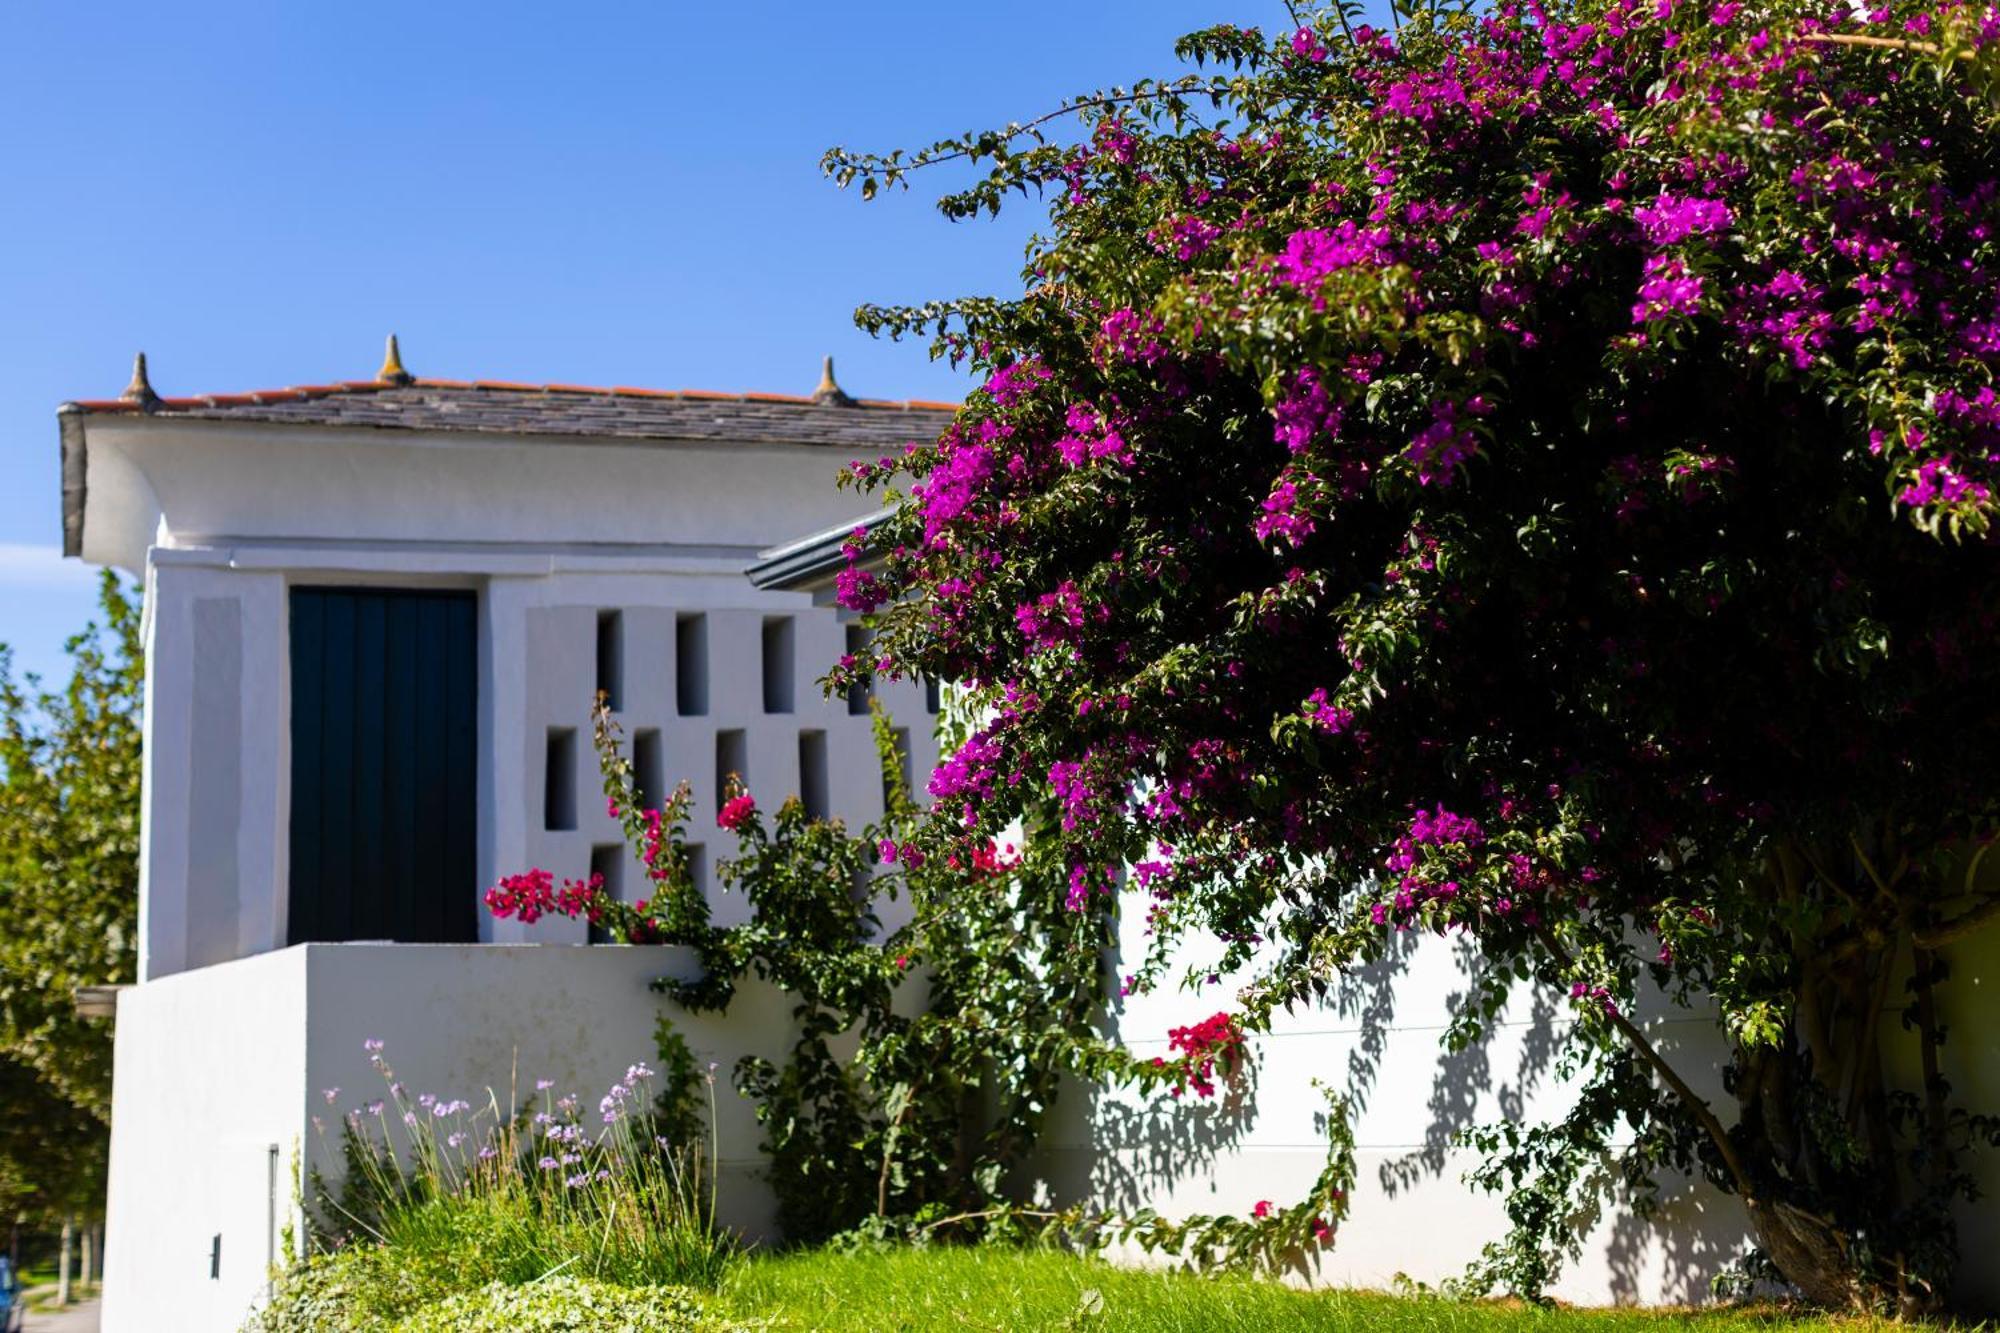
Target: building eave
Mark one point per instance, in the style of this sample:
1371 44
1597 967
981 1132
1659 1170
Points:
810 562
75 475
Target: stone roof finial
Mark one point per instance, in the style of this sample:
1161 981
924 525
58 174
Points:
829 393
392 371
140 390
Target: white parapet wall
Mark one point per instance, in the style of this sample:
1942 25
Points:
221 1072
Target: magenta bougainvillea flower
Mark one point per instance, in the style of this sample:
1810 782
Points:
736 812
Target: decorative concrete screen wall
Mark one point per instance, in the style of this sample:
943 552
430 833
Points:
704 688
223 1075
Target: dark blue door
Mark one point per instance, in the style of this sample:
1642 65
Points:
384 765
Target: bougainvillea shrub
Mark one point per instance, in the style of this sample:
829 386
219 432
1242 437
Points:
925 1057
1528 474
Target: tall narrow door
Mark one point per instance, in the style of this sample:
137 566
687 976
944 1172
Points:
384 765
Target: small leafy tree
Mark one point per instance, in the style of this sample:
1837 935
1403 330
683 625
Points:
1529 475
69 874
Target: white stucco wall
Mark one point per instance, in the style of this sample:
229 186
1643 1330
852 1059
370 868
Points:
209 1079
213 481
1379 1041
218 1065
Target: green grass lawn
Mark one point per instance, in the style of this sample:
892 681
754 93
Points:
1003 1291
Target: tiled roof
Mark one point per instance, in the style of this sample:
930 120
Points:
397 400
555 409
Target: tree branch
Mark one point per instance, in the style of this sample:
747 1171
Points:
1700 1109
1935 1111
1936 937
1874 875
1860 39
838 159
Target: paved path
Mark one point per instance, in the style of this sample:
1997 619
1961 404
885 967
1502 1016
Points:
81 1318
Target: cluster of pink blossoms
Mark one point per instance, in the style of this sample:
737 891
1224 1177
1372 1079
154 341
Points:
532 895
1201 1047
1053 619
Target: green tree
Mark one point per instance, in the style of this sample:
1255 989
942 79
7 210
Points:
69 878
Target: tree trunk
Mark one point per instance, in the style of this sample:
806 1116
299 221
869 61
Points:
89 1253
1813 1256
62 1260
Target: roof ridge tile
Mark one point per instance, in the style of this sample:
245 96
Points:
424 395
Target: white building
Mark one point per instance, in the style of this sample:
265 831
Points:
376 615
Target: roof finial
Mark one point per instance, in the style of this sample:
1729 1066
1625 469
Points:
140 390
392 371
829 393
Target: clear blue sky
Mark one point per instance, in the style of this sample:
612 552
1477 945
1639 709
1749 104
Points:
256 193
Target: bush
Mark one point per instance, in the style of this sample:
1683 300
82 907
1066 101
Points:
374 1289
362 1289
477 1196
562 1304
441 1201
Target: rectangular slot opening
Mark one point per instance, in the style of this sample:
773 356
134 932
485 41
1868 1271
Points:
697 861
778 660
649 774
611 658
858 648
608 860
901 738
691 665
931 697
559 780
732 759
812 774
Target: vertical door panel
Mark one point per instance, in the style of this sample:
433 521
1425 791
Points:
384 759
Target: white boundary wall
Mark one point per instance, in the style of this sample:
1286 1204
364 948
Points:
220 1067
1379 1041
